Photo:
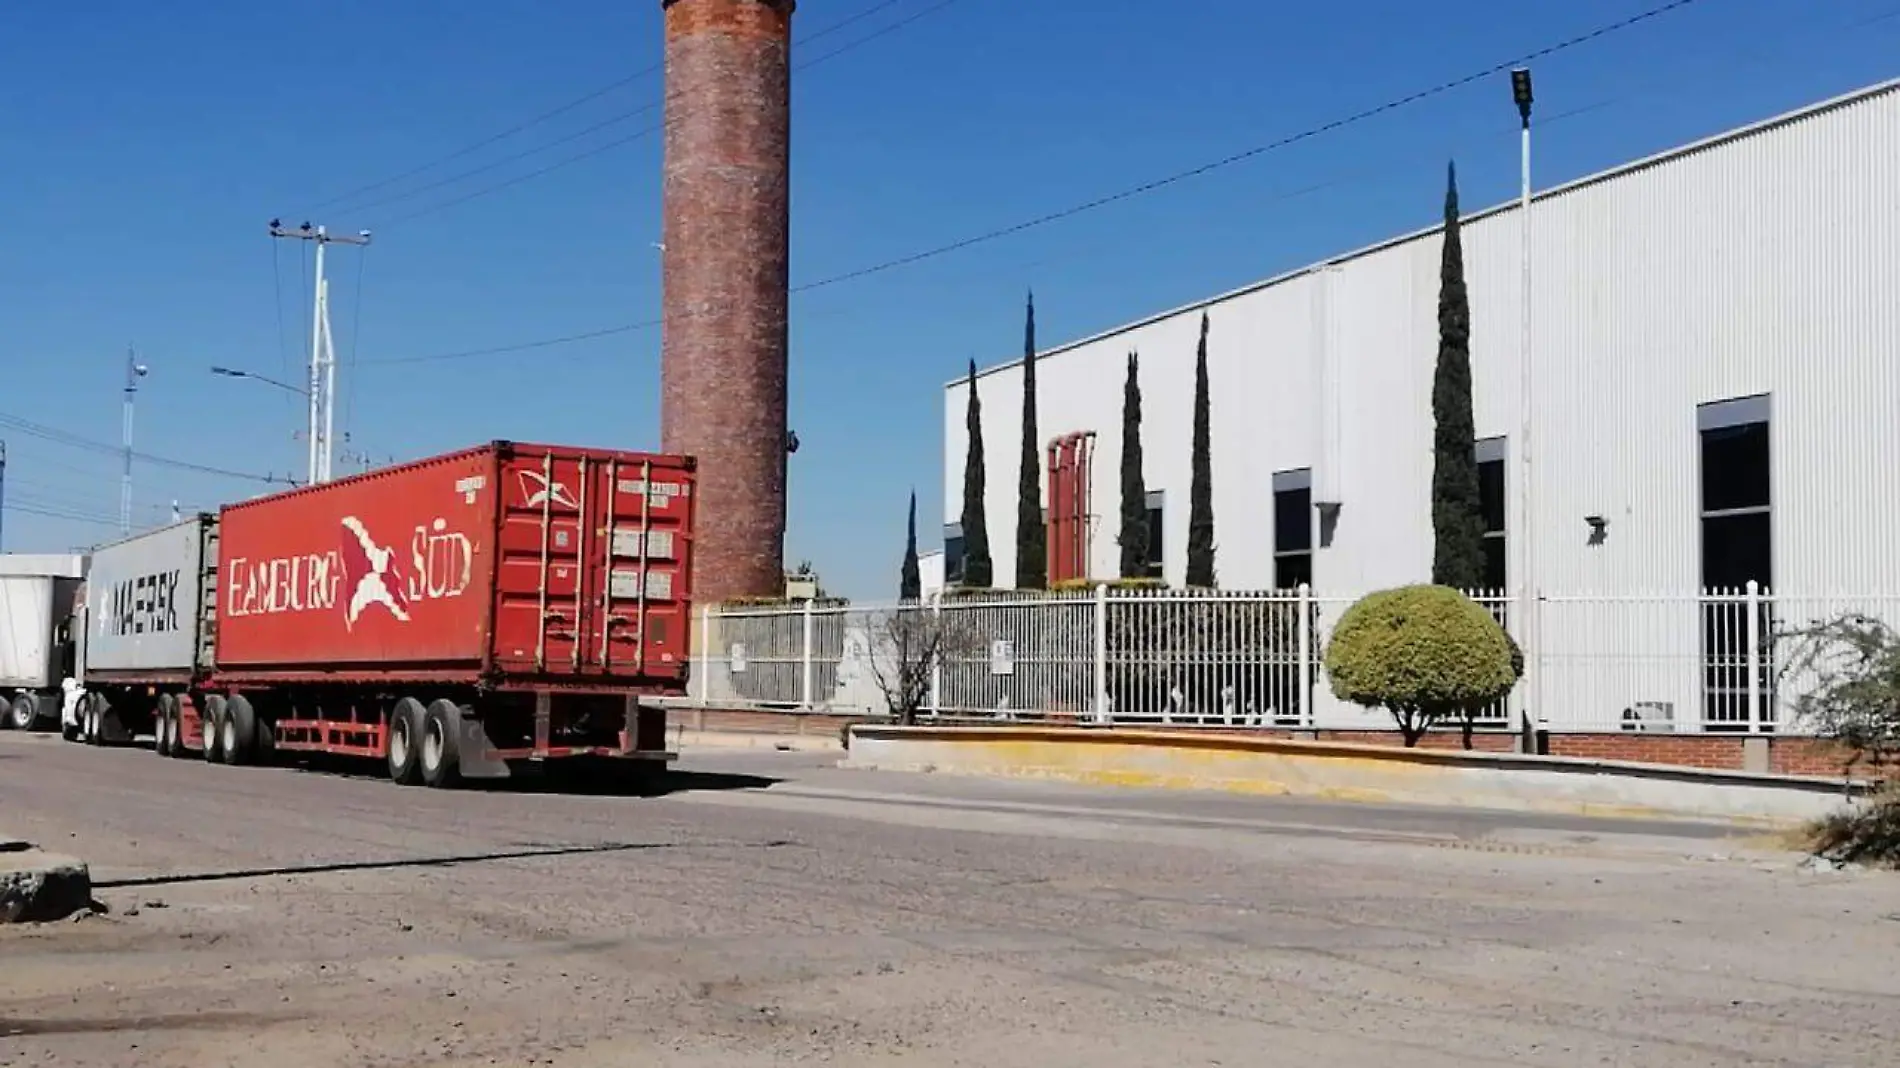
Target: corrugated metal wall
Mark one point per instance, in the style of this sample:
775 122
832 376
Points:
1768 262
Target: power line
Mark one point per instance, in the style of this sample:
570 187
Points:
1247 154
543 117
1090 205
61 437
55 513
645 131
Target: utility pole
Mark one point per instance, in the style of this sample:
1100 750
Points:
1527 557
322 377
134 371
3 489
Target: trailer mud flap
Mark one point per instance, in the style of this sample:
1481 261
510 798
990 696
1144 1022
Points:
479 759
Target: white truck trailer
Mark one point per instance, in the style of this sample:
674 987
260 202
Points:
37 655
145 633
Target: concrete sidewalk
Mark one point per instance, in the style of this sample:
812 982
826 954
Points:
1344 772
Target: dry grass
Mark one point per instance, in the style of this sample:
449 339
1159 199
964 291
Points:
1865 834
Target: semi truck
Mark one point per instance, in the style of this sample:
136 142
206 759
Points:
37 593
455 617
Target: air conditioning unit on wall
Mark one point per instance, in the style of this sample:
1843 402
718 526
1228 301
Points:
1650 717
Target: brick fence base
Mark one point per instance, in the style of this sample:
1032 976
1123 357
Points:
1716 752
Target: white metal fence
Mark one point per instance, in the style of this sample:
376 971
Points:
1710 662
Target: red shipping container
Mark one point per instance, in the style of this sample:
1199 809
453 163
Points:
512 566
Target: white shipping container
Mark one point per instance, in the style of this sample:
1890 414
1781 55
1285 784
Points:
148 604
36 594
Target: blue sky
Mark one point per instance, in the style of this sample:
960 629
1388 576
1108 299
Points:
148 145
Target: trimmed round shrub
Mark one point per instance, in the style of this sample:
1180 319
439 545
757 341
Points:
1424 653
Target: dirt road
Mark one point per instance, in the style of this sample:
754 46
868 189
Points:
780 911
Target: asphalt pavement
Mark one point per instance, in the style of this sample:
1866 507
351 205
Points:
772 908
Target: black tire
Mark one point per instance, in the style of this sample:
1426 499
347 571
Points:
237 732
24 713
405 728
212 723
440 755
165 725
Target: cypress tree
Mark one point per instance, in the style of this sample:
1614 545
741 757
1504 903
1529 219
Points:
1457 521
910 582
1032 553
1134 526
1200 540
977 572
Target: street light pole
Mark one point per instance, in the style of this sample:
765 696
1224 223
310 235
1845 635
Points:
232 372
1526 538
134 371
322 377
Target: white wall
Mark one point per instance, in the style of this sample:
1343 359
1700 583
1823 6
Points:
1764 262
930 569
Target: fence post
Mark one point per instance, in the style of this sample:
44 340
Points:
1100 658
804 660
1754 656
936 654
1306 655
705 653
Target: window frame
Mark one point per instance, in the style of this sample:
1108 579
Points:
1293 481
1496 450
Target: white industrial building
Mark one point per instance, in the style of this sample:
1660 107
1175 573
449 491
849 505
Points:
1715 360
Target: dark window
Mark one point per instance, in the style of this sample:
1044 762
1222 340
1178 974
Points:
1292 528
1157 501
1735 468
1737 548
952 553
1491 506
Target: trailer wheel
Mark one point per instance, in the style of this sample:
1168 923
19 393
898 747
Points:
24 713
165 726
441 754
405 727
212 728
237 732
95 717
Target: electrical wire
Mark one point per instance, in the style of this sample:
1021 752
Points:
985 237
645 131
612 120
55 513
90 507
61 437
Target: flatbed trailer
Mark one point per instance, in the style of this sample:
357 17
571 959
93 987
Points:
455 617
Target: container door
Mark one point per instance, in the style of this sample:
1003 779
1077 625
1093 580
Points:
639 624
594 552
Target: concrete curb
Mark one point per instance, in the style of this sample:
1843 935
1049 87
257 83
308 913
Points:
802 743
37 887
1344 771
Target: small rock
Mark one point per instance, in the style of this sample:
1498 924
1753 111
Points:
1819 863
37 887
156 904
132 911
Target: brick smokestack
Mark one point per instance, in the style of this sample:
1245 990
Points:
725 274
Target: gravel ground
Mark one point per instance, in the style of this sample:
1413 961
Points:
777 910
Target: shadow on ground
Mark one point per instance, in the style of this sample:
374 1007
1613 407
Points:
575 778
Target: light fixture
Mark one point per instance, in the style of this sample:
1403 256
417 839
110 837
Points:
1521 92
